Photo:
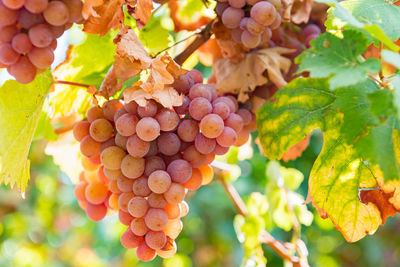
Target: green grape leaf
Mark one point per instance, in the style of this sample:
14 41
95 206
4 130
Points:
20 110
99 51
155 35
340 58
354 154
44 129
366 15
395 83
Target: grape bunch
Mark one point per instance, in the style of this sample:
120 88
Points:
28 33
152 156
251 21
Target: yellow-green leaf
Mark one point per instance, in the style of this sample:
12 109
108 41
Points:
20 109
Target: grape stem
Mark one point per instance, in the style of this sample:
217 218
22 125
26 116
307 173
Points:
202 37
72 83
264 237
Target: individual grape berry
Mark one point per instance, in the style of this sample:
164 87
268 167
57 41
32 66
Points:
137 147
157 201
179 170
199 107
125 218
138 207
196 75
140 187
148 129
95 113
231 17
311 29
237 3
120 141
79 191
203 144
263 12
173 211
188 130
96 193
14 4
167 119
111 107
7 33
159 181
8 56
21 43
7 16
126 124
221 109
132 167
250 40
245 114
139 227
101 130
227 138
156 239
175 194
168 144
201 90
96 212
184 208
56 13
112 157
156 219
207 174
184 108
89 147
194 157
220 150
145 253
149 110
154 163
212 125
41 35
235 122
130 240
195 180
183 83
74 10
173 228
220 7
254 27
124 184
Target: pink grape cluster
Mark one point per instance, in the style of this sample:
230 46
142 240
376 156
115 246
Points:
28 33
152 155
251 21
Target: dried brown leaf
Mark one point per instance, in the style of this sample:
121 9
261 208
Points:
102 15
297 11
381 201
243 77
143 10
130 60
228 48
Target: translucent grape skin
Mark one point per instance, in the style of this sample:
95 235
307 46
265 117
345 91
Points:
221 109
167 119
95 113
175 194
173 211
250 40
7 55
126 124
193 156
14 4
156 239
124 184
123 200
157 201
7 33
22 44
96 212
159 181
179 170
201 90
184 108
112 157
132 167
148 129
138 227
130 240
235 122
263 12
168 144
195 180
212 125
56 13
227 138
75 10
231 17
188 130
89 147
125 218
237 3
149 110
101 130
154 163
137 147
41 35
140 187
203 144
145 253
156 219
111 107
96 193
138 207
199 107
81 129
7 16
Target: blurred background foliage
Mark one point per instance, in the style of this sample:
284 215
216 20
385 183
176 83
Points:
48 228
